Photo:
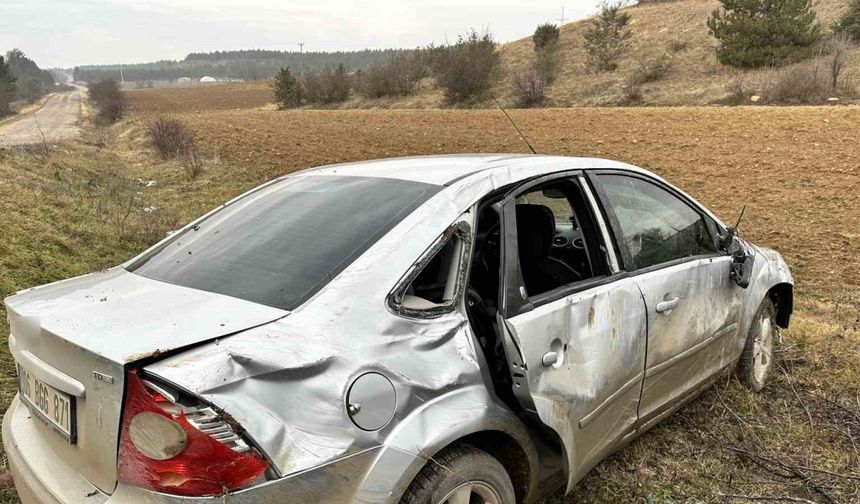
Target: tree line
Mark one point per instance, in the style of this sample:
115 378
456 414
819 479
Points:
21 79
246 65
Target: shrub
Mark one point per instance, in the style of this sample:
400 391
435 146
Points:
332 85
737 89
172 139
285 88
755 33
606 37
466 70
101 91
167 136
849 23
801 83
336 84
399 76
190 157
632 91
545 35
112 109
107 96
529 88
546 62
652 71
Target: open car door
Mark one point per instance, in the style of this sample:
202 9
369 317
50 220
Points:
575 342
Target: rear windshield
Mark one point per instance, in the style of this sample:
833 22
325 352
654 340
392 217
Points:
280 245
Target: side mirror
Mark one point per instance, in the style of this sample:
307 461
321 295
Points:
742 257
728 238
742 267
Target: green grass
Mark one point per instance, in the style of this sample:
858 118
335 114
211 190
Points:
82 208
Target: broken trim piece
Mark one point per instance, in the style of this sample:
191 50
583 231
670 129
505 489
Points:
461 230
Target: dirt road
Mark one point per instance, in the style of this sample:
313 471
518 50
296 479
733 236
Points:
56 120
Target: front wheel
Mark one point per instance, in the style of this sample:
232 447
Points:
461 474
756 360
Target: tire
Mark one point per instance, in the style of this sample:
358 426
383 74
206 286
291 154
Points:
459 475
756 362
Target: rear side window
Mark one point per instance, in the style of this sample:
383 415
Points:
280 245
656 226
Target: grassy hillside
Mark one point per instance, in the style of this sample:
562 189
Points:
676 29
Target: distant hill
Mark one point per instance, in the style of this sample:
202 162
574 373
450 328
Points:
244 64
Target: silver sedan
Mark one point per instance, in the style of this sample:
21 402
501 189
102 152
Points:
454 329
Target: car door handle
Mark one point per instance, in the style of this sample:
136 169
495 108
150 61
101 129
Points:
549 359
668 305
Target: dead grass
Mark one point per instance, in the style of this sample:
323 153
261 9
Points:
697 78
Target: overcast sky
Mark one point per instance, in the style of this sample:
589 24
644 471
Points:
65 33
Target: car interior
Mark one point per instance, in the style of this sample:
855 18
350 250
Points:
558 246
436 285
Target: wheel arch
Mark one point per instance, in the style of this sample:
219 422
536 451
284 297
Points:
474 417
782 295
509 452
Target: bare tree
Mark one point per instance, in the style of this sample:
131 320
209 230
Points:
838 47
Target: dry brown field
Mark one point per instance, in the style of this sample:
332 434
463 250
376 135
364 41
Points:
171 100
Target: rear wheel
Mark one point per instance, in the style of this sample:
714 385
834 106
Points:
757 358
461 475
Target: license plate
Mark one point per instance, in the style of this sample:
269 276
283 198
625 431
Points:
55 408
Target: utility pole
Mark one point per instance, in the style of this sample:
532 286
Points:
562 19
121 78
301 58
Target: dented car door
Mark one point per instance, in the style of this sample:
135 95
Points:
577 353
670 249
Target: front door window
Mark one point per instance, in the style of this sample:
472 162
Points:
656 226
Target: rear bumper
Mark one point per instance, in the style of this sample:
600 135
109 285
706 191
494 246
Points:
374 475
31 463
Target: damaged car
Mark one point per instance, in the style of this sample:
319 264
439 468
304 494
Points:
450 329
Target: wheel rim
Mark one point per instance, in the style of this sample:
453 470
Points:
763 349
472 492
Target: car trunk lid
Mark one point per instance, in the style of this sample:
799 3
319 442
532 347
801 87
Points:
80 336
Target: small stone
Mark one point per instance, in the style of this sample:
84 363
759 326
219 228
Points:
755 98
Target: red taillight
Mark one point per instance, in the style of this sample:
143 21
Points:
162 451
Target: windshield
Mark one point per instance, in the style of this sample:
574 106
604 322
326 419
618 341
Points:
280 245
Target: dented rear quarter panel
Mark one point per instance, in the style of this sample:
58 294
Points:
286 382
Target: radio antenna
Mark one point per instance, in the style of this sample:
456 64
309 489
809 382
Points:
532 149
741 216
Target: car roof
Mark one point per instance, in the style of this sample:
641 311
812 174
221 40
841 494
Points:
447 169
